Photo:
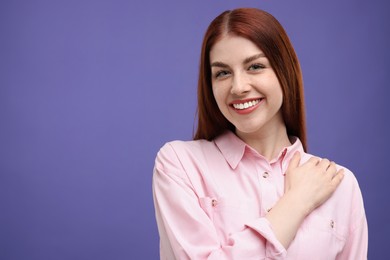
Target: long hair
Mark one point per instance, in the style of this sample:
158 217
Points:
268 35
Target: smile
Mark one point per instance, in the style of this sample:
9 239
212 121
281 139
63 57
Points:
247 104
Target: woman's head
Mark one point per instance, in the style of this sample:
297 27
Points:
268 35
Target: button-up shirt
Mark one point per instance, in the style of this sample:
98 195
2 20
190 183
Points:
211 198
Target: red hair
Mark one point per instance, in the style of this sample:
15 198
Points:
268 35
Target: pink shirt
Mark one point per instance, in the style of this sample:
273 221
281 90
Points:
211 199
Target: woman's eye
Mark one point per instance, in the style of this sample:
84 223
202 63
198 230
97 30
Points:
256 67
221 74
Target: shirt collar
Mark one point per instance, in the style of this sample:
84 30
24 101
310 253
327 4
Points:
233 148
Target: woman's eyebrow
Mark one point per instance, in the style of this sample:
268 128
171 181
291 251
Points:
254 57
246 61
219 64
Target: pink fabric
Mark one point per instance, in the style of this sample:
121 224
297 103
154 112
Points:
211 199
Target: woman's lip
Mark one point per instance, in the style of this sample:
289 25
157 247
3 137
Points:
247 110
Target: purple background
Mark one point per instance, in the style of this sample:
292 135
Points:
90 90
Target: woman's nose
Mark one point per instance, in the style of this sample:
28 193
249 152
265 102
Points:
240 85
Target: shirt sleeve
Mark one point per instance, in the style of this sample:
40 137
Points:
356 246
186 231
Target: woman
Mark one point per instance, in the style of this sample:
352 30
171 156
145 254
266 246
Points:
245 188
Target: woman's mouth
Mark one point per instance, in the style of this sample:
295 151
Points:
247 104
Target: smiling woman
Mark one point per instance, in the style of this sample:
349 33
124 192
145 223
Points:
247 91
246 188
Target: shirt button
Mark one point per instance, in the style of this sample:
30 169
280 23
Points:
332 224
214 202
265 175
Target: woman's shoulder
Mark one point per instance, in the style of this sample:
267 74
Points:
185 153
187 161
181 147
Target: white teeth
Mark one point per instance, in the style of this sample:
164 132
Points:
246 104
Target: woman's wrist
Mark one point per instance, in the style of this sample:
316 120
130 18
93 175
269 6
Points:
298 204
287 215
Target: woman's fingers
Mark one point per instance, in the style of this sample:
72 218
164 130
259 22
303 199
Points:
338 177
324 164
332 169
294 162
329 168
313 161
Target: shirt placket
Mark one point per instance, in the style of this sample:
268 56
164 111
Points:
267 187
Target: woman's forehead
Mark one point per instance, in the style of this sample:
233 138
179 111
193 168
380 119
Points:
232 47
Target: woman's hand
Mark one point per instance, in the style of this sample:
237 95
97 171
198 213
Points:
306 187
313 182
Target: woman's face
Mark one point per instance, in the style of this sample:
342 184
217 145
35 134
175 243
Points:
245 86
